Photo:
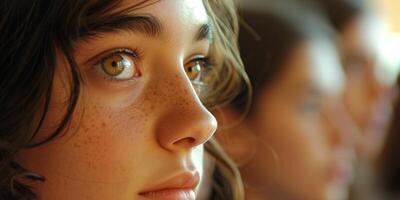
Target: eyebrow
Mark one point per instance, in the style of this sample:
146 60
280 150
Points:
145 24
204 33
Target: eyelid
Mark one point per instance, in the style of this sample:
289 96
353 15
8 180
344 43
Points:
201 58
109 52
101 56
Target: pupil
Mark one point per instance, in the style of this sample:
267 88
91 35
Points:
114 64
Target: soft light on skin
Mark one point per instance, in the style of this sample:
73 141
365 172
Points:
128 136
375 40
326 67
197 157
192 10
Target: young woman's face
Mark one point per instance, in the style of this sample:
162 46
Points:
365 96
303 152
139 128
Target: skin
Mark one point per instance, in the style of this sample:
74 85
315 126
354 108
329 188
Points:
365 96
128 136
301 148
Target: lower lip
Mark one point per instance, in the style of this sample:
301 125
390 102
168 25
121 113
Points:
171 194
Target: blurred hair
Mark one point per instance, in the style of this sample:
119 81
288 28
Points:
388 163
230 79
267 39
341 12
33 33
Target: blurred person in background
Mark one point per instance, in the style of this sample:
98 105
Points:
367 98
295 142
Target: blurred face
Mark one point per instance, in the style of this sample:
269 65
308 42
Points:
139 129
365 97
303 150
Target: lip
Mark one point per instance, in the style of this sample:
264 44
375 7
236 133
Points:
179 187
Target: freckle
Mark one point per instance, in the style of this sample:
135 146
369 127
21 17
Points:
76 145
187 102
103 124
96 138
86 129
151 107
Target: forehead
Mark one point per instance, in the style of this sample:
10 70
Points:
326 68
364 35
175 15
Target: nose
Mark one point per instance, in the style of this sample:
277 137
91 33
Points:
184 122
342 129
376 88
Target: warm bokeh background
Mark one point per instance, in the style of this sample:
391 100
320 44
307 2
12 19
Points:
390 11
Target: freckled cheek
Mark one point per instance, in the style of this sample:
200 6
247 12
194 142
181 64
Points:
107 148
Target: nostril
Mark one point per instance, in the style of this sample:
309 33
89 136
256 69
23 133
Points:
189 141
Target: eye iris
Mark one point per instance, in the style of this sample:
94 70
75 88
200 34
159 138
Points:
113 65
193 71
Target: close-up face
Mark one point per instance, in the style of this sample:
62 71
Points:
303 150
139 127
366 97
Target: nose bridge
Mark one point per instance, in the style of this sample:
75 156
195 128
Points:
182 121
342 131
376 87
